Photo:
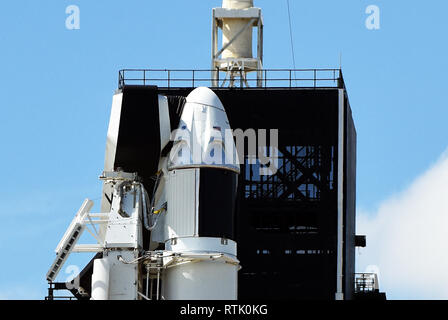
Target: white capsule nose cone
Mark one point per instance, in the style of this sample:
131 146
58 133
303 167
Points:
205 96
204 137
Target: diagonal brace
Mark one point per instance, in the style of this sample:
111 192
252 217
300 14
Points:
249 24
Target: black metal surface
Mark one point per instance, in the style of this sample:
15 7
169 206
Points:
360 241
286 236
217 195
138 145
176 106
349 200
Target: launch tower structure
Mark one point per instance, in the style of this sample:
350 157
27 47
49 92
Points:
176 224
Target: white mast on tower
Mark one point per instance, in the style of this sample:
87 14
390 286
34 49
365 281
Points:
236 20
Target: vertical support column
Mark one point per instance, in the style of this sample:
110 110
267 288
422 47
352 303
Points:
260 51
100 279
340 219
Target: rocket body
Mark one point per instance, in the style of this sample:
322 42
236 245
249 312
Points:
190 253
201 187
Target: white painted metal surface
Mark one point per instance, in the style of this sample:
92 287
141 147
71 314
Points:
88 248
123 277
241 47
78 220
100 279
204 137
123 240
164 120
112 132
115 276
124 227
203 244
340 220
109 158
204 280
111 146
237 4
202 269
182 208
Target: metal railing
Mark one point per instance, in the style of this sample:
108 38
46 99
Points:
277 78
366 282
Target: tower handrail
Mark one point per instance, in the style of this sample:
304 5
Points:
272 78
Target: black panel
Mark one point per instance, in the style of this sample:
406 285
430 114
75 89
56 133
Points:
138 145
360 241
217 195
176 106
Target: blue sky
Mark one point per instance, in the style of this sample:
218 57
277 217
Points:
57 87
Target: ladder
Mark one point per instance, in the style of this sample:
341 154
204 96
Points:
69 239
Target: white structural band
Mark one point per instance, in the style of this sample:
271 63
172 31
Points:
340 222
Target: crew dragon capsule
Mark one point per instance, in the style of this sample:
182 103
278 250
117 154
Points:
200 185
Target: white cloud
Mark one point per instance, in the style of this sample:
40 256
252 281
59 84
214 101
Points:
407 238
